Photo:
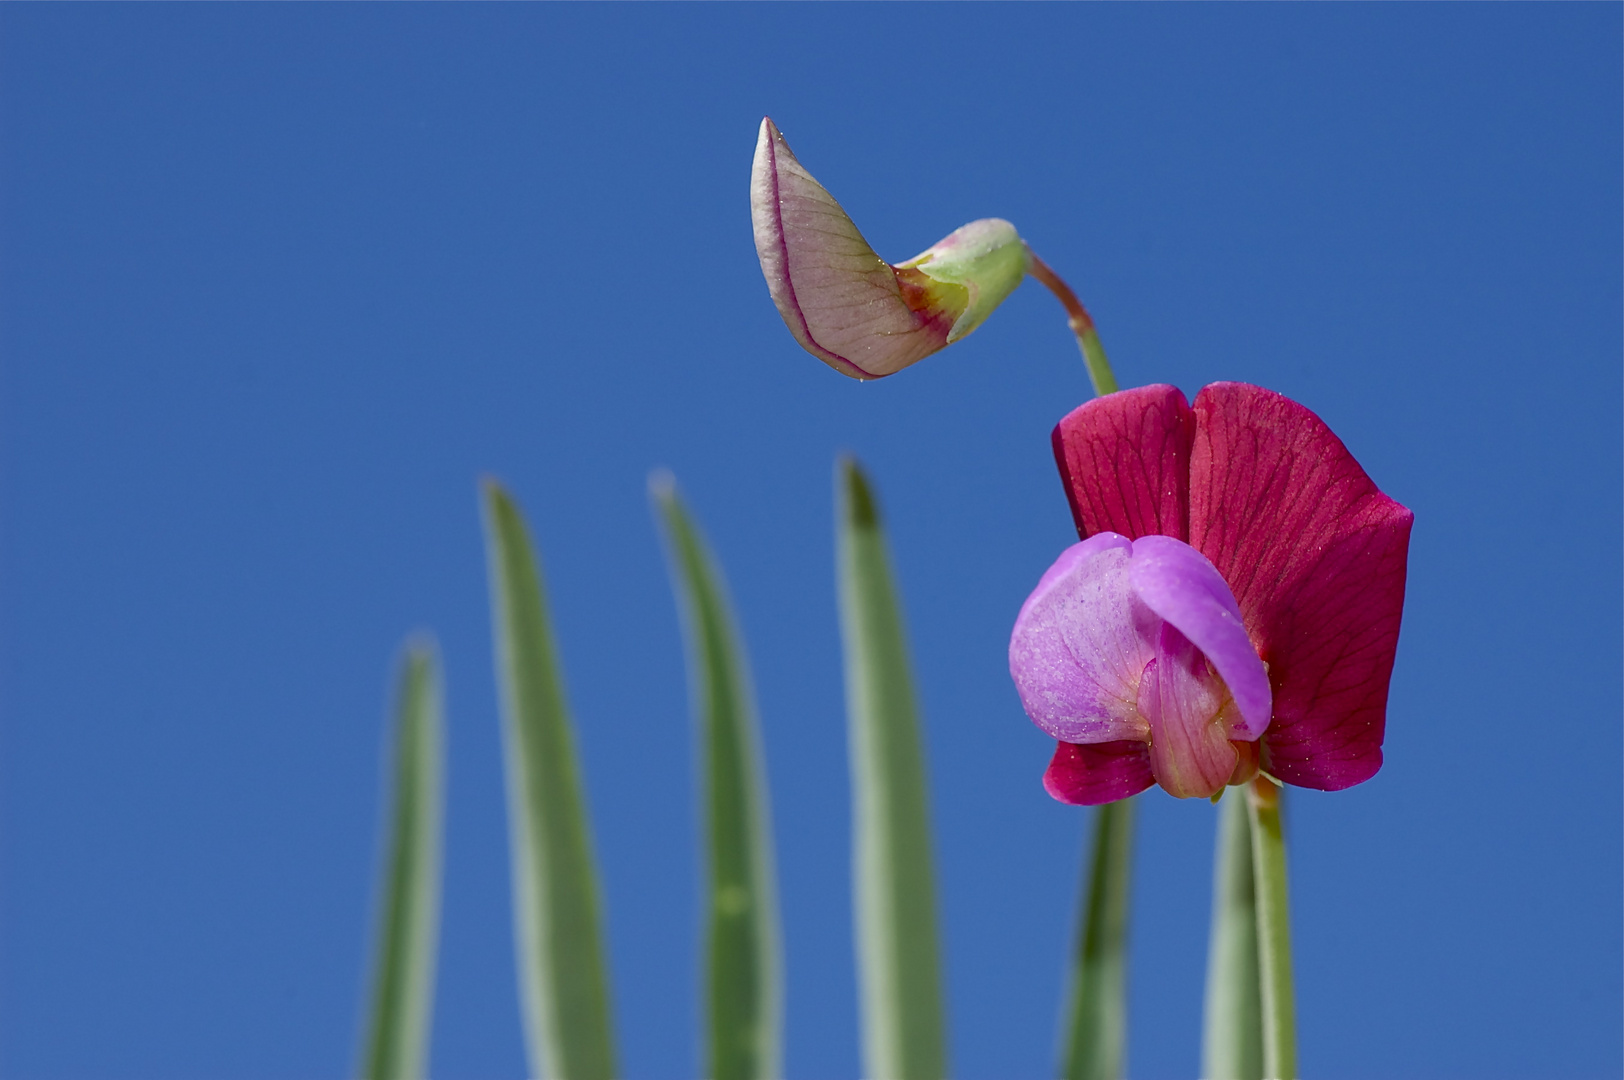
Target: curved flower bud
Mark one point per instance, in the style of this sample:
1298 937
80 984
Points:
847 306
988 257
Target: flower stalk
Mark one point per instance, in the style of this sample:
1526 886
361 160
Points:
1081 323
1274 931
1232 1039
1096 1015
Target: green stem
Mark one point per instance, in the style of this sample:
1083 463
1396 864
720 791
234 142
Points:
1232 1036
1099 368
1096 1014
1081 323
1274 932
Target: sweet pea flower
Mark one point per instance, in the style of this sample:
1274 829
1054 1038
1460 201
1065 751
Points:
1233 606
847 306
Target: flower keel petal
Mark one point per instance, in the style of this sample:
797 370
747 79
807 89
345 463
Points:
1178 583
1190 752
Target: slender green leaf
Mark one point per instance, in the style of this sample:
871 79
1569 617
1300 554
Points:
1232 1038
1095 1039
900 972
397 1032
1277 995
743 980
564 987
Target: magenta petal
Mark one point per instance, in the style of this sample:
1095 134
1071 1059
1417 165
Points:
840 300
1075 554
1079 644
1088 775
1190 752
1315 556
1179 584
1125 461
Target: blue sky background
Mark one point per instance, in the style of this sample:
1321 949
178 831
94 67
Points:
280 282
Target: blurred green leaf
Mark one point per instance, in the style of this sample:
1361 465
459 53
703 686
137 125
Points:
744 983
899 968
1096 1015
397 1032
558 917
1232 1034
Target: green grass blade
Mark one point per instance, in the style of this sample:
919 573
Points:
397 1032
1095 1038
1232 1036
899 968
564 988
743 979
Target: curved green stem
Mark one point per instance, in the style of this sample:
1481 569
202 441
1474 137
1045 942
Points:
1081 323
1274 931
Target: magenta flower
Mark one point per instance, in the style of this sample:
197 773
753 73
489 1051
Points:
1234 604
846 305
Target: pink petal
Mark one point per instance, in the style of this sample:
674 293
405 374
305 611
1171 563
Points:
1125 461
840 300
1190 752
1079 644
1178 583
1098 773
1315 556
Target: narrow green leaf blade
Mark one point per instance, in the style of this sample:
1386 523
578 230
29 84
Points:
564 988
397 1031
743 979
1094 1042
1232 1035
898 963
